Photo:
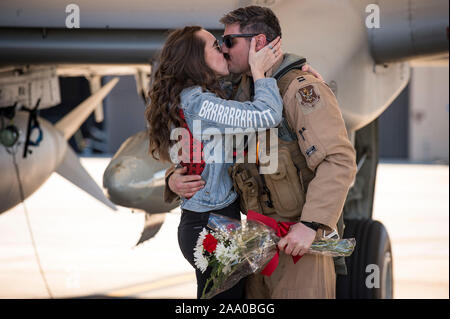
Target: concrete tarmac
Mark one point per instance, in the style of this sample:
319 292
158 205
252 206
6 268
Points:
88 250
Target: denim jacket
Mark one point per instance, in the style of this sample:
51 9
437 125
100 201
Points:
209 116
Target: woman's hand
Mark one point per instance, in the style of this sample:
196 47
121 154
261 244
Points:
264 59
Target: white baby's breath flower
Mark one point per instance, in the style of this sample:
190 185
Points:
221 252
233 251
227 254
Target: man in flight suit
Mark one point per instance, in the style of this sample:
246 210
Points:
313 115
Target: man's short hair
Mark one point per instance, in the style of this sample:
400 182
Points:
254 19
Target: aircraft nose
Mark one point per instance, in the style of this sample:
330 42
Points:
129 181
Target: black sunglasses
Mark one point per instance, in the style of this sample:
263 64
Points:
228 39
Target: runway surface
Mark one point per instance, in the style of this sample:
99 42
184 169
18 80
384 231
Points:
88 250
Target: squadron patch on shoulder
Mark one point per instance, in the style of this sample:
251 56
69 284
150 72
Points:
308 95
308 98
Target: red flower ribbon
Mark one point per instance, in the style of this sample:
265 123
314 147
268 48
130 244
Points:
281 230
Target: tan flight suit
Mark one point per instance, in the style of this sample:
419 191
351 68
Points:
313 114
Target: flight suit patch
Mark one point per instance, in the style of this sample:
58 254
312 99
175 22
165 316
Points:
308 95
308 98
311 150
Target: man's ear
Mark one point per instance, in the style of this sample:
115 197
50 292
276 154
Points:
261 42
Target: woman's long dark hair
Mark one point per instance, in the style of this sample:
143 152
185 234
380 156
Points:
182 64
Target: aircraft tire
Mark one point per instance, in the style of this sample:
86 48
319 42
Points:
370 266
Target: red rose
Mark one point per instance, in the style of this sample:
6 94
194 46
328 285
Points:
209 243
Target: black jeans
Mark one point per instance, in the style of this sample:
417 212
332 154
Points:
191 225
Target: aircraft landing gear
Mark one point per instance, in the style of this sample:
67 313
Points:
370 266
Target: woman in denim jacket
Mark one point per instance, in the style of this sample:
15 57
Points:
186 93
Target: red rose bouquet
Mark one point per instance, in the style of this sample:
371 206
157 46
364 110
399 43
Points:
235 249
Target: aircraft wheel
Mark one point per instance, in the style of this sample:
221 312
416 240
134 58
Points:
370 266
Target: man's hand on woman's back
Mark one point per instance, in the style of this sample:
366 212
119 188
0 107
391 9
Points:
185 185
